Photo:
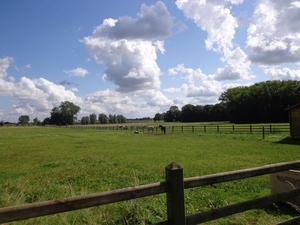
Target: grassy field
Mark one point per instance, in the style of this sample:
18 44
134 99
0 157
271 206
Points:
38 164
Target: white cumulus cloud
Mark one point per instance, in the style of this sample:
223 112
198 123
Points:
127 47
274 34
78 72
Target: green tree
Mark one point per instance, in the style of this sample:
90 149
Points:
121 119
93 118
103 119
262 102
172 115
158 117
24 119
65 114
85 120
46 121
188 113
36 121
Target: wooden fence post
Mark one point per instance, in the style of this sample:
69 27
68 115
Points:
250 129
204 128
175 194
263 132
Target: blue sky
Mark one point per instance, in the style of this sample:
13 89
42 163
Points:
139 58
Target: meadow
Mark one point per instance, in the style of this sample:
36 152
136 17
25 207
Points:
47 163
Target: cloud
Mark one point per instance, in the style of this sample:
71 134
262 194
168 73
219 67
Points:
35 97
152 22
156 98
237 68
78 72
67 83
127 48
282 74
274 34
27 66
113 102
4 64
214 18
199 85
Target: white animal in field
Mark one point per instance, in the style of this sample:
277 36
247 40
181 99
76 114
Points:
150 128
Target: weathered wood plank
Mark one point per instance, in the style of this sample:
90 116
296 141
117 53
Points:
240 207
32 210
239 174
175 194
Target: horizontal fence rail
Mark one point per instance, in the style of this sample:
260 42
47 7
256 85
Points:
173 187
256 128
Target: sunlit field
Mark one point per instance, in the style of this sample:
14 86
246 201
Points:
47 163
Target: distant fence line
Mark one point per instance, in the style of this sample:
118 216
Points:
173 186
271 128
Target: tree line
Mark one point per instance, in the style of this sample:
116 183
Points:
262 102
103 119
66 114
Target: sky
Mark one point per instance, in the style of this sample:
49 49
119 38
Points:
138 58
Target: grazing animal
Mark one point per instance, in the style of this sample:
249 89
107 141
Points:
136 132
150 128
163 128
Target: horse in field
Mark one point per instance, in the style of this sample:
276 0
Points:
150 128
163 128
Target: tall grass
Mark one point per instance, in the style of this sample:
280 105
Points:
38 164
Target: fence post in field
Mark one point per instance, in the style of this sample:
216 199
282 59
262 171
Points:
218 128
250 129
270 128
263 132
204 128
175 194
232 128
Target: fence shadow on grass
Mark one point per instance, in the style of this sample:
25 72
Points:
282 208
289 141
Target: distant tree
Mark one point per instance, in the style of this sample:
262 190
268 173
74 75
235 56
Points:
1 123
85 120
188 113
262 102
36 121
65 114
172 115
93 118
103 119
112 118
46 121
158 117
24 119
120 119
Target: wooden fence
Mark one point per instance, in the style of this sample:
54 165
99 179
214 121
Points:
173 186
256 128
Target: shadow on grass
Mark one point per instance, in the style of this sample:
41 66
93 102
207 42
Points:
280 208
289 141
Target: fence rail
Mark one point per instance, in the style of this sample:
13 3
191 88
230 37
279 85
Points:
252 128
174 188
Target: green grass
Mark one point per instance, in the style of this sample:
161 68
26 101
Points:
38 164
